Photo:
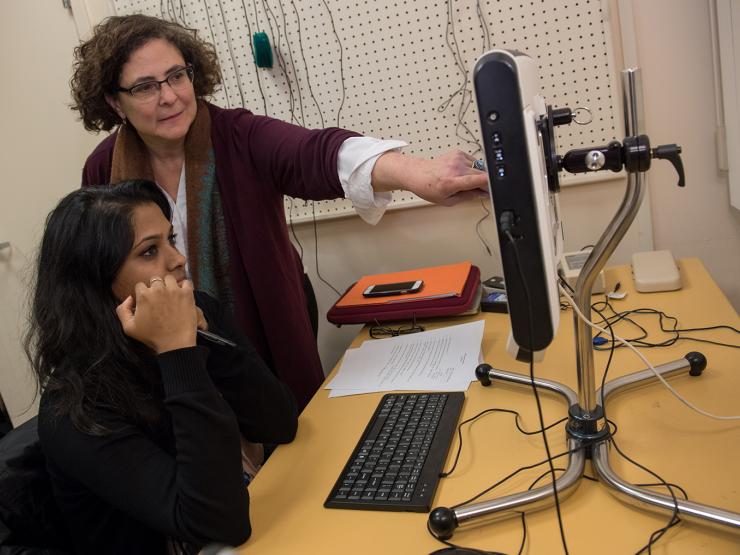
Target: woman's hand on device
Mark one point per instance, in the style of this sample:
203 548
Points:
162 315
447 179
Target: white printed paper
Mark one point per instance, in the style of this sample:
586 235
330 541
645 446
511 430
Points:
443 359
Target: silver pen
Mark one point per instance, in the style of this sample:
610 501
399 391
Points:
210 336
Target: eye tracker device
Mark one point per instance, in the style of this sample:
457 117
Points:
517 131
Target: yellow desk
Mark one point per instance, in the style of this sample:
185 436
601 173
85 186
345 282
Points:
699 454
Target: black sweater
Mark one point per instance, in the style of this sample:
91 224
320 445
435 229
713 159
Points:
130 490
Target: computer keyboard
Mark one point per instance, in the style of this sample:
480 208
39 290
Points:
396 464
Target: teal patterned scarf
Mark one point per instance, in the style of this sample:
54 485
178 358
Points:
208 256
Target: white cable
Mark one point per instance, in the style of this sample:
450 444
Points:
642 357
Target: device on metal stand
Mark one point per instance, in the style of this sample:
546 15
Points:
517 129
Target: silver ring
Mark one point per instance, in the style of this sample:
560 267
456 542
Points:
156 279
479 165
585 110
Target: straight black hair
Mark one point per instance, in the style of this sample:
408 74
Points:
74 340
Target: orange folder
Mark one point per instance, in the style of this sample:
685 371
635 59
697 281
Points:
439 282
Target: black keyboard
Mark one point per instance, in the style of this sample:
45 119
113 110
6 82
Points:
397 462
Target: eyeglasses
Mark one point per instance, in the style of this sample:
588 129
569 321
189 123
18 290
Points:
149 90
379 331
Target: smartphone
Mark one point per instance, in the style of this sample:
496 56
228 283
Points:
387 289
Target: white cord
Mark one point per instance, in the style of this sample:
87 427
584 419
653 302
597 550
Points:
642 357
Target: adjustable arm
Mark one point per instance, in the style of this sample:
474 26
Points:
633 154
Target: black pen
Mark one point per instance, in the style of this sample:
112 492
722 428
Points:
210 336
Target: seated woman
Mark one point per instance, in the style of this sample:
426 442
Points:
142 421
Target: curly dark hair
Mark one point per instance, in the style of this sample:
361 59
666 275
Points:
99 60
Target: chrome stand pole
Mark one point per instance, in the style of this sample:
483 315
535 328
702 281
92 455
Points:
587 430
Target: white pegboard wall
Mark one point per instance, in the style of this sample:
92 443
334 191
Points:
398 66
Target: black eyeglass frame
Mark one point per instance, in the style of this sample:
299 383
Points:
380 331
189 71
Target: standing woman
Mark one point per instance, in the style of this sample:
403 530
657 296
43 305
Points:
144 425
225 173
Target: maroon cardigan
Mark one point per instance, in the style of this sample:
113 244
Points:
258 160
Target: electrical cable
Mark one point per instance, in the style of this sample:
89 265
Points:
459 547
450 30
254 56
231 53
528 297
484 25
256 16
280 59
177 17
654 537
172 12
213 42
316 250
671 484
524 535
514 473
321 116
483 413
477 227
341 62
292 227
466 94
495 485
303 57
564 282
662 317
657 534
290 64
647 363
182 13
533 484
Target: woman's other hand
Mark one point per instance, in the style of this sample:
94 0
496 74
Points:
447 179
202 322
162 315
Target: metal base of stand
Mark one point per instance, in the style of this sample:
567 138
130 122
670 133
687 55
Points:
444 521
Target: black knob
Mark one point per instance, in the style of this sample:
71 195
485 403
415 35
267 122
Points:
697 361
442 522
481 372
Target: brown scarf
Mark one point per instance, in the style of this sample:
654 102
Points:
208 257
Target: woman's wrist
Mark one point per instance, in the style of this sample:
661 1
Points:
394 171
184 369
174 343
